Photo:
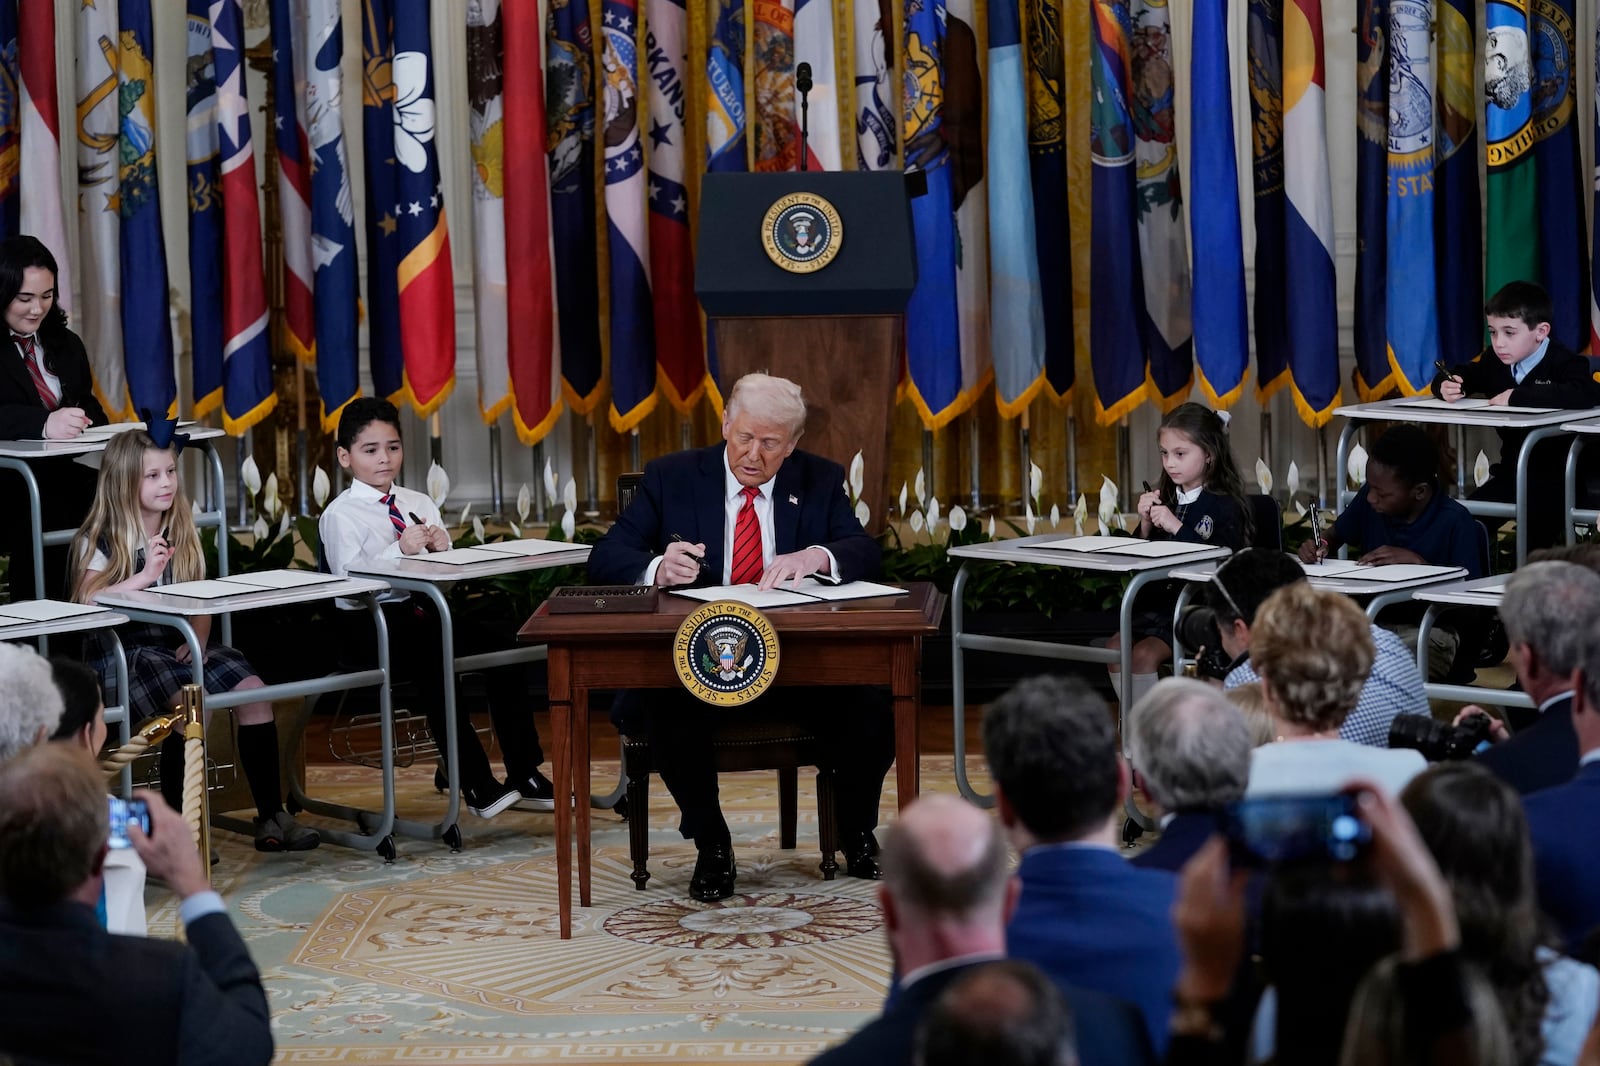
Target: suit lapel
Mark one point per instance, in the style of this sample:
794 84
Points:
17 370
786 504
710 508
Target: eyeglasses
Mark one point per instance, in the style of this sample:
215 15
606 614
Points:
1216 581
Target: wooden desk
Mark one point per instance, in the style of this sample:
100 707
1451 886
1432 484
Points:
855 642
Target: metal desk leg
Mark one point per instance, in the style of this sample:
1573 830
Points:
1574 450
448 830
1341 474
1185 594
1523 455
958 688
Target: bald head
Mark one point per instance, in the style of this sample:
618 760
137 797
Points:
945 858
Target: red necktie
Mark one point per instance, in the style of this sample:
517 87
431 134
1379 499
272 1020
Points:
30 356
747 564
395 519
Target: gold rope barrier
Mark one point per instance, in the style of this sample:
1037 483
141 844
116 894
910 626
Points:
151 733
194 774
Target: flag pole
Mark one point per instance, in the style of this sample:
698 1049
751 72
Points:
540 513
1072 457
436 438
591 481
1322 464
634 460
1024 453
1124 458
974 460
497 481
302 439
927 460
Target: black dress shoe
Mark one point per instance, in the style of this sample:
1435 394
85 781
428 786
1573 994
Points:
714 872
861 858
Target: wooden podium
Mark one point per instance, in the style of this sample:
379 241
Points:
837 330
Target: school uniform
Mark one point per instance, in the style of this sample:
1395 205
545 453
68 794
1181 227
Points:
1444 534
1553 376
1208 518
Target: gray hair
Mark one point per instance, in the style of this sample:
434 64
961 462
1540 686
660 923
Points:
1191 745
768 399
30 703
1554 608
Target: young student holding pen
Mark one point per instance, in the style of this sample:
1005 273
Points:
369 521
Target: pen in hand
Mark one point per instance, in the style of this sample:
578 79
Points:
699 559
1449 375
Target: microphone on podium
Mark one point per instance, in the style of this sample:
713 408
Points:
802 84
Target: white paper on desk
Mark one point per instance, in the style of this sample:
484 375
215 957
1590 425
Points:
1399 572
1433 403
48 610
204 590
529 547
461 556
1328 567
279 579
850 590
1155 549
1085 544
749 595
1496 589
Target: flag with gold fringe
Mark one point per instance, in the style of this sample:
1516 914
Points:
1045 52
1370 327
99 228
40 126
1265 42
962 126
633 357
1412 324
294 201
1512 236
486 127
569 98
1457 198
1563 261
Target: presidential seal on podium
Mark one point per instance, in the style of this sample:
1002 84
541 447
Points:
802 232
726 653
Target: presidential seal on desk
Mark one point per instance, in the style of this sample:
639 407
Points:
726 653
802 232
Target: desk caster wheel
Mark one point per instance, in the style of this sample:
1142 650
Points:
452 837
386 849
1131 832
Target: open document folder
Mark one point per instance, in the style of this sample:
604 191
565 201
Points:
810 590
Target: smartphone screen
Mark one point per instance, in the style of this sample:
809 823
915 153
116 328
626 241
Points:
122 812
1275 829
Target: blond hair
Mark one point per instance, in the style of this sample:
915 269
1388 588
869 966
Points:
115 525
1314 648
1251 700
769 400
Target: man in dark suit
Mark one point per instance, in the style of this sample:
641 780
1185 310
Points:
1549 611
1191 748
74 993
1524 366
754 510
946 897
1087 917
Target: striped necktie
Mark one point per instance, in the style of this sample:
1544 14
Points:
747 563
395 518
30 357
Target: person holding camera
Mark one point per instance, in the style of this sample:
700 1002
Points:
200 1002
1314 652
1551 611
1238 589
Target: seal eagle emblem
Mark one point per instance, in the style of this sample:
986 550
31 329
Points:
726 653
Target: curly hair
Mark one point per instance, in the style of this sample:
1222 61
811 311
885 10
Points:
1314 649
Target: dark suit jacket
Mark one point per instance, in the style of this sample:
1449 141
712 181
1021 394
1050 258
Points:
1564 823
1109 1032
1563 379
22 413
685 493
1182 837
1090 919
1542 756
74 993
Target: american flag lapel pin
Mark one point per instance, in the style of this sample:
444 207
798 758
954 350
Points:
795 500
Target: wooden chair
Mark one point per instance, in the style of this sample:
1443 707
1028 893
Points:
738 745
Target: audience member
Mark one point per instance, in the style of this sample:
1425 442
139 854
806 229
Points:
75 993
1561 821
1191 748
1086 917
1473 824
1253 705
946 896
1314 650
1551 611
1384 1030
999 1014
1393 687
30 703
83 710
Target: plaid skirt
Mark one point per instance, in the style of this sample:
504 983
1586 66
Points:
155 676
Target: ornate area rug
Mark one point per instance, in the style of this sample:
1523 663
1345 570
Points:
455 958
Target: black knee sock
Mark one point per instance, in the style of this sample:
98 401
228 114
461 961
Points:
172 771
258 758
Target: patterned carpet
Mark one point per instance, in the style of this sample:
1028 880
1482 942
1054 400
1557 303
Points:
455 958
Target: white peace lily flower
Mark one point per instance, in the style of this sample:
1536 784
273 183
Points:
1055 516
320 487
551 493
902 511
466 513
194 508
863 513
1028 517
1108 496
933 513
857 476
957 519
1299 508
283 526
269 497
1294 478
516 530
477 528
524 501
921 488
916 521
1080 512
438 484
991 527
569 525
1480 470
569 495
260 529
251 475
1356 467
1264 477
1035 482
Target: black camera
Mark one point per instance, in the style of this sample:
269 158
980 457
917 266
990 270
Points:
1439 741
1199 635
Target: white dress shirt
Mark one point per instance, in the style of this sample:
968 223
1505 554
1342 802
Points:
355 528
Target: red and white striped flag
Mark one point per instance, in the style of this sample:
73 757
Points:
680 352
41 141
294 176
813 43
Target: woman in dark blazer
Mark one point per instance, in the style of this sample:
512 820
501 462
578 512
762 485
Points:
46 393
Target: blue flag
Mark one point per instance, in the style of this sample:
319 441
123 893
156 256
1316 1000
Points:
205 215
1370 329
1047 171
569 99
146 320
1457 199
1562 256
1266 119
386 358
1413 327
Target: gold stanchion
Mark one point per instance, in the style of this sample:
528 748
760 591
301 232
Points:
151 733
195 800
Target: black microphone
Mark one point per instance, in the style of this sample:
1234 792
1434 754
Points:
802 83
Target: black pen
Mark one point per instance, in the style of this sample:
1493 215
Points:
414 519
1450 375
700 559
1146 486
